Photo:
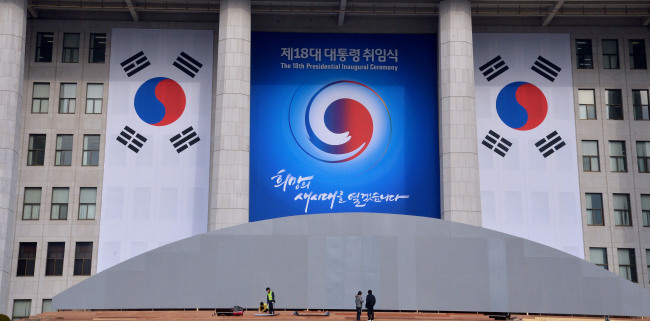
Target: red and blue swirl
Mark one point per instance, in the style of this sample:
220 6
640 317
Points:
341 121
159 101
521 105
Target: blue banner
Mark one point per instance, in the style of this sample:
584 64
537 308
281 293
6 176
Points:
343 123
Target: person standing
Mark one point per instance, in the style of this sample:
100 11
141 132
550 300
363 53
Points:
370 305
358 300
270 300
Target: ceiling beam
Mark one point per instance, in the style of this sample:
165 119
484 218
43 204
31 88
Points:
554 11
342 11
646 21
32 12
134 14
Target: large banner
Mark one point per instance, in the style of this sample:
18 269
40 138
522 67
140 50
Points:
527 140
157 161
343 123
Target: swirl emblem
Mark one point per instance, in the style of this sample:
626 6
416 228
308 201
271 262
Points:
340 122
159 101
521 105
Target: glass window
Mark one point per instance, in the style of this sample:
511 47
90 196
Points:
97 52
640 97
59 203
44 45
41 97
83 258
622 210
610 54
63 156
71 47
627 264
587 104
36 150
94 98
54 263
637 54
594 204
68 98
617 158
645 211
614 104
87 202
91 150
26 258
47 306
643 156
21 309
598 256
583 54
32 203
590 160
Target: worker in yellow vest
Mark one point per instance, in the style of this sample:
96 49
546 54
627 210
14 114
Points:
270 299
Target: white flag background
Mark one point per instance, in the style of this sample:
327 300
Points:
524 193
157 195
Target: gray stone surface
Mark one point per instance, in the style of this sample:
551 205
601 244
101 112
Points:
320 261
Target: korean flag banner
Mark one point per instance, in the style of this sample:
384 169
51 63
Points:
527 142
157 160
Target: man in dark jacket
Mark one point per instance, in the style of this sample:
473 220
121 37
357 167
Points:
370 305
270 300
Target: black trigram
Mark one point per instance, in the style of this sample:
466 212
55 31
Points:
187 64
135 63
497 143
546 68
549 144
493 68
185 139
129 138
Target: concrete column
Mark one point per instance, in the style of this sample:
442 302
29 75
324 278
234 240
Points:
461 195
231 131
13 18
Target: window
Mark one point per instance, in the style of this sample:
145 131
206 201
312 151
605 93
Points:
587 104
26 258
94 96
36 150
97 52
645 210
87 202
583 54
59 203
63 156
590 156
637 54
70 47
83 258
610 54
614 104
640 97
598 256
627 264
44 45
54 263
617 157
32 203
643 156
91 150
21 309
622 210
47 306
594 203
40 97
68 98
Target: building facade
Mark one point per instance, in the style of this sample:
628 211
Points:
54 72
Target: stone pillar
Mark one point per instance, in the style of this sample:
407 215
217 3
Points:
13 18
231 129
461 195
